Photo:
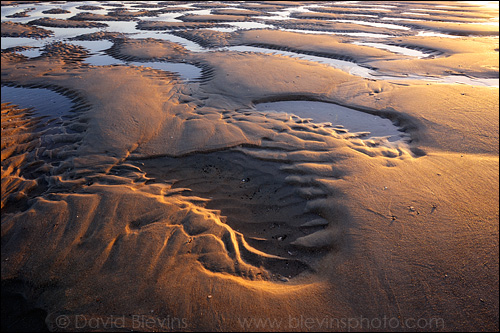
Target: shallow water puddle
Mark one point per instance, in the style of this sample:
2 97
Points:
120 26
435 34
99 58
62 33
402 19
284 14
44 101
349 67
395 49
357 70
39 8
360 15
8 42
462 79
197 12
376 24
31 53
451 79
190 45
250 25
223 29
165 17
350 119
93 46
374 6
352 34
411 13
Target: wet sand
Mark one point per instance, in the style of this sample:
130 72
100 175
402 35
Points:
157 203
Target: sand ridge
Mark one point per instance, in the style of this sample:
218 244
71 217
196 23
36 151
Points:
12 29
51 22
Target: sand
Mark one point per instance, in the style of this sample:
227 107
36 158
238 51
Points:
332 26
162 204
154 25
12 29
214 18
50 22
99 17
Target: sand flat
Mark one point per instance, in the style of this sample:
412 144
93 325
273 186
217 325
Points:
157 204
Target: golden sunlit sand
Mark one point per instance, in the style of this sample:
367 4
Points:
164 200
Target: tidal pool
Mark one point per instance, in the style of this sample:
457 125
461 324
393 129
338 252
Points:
339 116
44 102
